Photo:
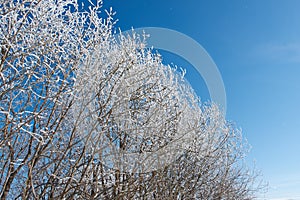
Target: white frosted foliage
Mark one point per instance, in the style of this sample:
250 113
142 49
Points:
86 114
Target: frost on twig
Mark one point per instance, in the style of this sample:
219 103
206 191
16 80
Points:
86 115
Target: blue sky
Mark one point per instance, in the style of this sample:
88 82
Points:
256 46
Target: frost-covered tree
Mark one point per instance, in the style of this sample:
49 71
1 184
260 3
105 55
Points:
87 115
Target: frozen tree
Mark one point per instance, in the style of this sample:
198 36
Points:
87 115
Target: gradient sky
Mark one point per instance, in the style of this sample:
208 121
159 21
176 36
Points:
256 46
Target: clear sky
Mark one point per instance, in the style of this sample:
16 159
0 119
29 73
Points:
256 46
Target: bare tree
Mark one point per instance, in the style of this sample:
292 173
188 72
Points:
86 115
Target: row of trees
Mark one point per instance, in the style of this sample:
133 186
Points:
85 115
